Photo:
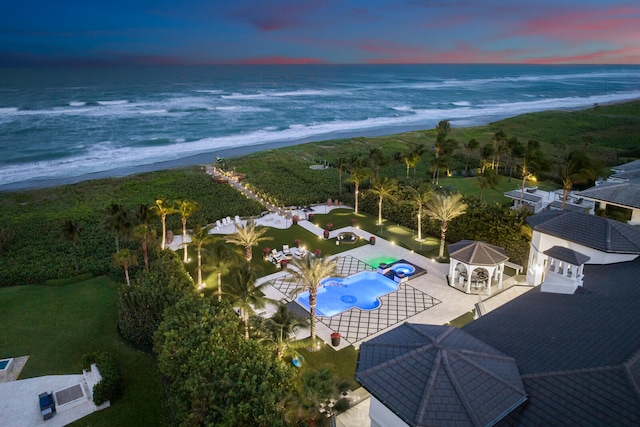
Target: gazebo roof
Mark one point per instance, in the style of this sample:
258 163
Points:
473 252
439 375
567 255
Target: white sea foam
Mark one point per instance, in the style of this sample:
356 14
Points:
161 111
462 103
241 108
118 102
215 91
77 103
402 108
7 110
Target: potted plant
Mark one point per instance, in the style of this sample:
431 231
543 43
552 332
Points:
295 219
329 226
283 264
325 233
317 252
353 222
335 339
266 252
372 240
298 241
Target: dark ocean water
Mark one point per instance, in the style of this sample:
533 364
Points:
66 124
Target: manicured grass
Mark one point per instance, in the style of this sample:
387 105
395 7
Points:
55 326
342 362
460 321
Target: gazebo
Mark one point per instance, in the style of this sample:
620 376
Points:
477 263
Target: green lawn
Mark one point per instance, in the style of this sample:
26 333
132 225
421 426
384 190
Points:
55 326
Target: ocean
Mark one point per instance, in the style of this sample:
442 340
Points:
65 125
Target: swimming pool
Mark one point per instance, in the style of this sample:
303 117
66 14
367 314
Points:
401 268
361 290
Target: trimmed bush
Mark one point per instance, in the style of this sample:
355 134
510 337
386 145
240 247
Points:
111 385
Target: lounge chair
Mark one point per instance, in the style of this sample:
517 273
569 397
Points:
218 224
237 219
47 405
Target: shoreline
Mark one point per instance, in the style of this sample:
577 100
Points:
205 158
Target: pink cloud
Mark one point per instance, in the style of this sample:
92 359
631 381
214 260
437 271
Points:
278 60
629 55
273 16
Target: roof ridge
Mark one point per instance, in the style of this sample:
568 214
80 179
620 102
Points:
572 371
427 391
458 389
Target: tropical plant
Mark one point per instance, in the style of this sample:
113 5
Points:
117 221
185 208
200 236
125 258
578 168
411 160
342 164
487 179
245 294
162 209
443 148
248 236
533 162
444 209
222 257
307 273
358 174
469 147
498 140
378 159
382 188
143 233
71 232
421 196
279 330
316 387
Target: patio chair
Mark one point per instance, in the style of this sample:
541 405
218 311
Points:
47 405
218 224
237 219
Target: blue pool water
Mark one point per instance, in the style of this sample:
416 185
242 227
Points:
361 290
4 363
406 269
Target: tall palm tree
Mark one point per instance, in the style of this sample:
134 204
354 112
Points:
117 221
378 159
382 188
308 272
222 257
162 208
533 162
342 164
421 196
142 231
245 294
316 387
411 160
444 209
498 140
248 236
125 258
469 147
578 168
185 208
358 174
71 232
487 179
200 236
279 328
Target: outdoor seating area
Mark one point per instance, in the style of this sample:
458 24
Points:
47 405
286 254
347 237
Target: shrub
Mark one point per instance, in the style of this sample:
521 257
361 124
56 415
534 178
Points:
111 386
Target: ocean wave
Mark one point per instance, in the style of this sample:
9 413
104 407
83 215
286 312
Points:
294 93
214 91
461 103
241 108
161 111
402 108
118 102
77 103
7 110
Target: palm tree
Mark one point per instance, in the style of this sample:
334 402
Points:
513 148
185 208
142 232
279 329
248 236
342 164
125 258
244 294
411 160
577 169
383 188
533 162
200 236
71 232
222 257
469 147
485 153
358 174
117 222
421 196
308 272
444 209
498 139
443 147
162 209
316 387
378 159
487 179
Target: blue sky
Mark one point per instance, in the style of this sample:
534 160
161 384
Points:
94 32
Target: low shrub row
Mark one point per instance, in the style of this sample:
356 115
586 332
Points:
111 386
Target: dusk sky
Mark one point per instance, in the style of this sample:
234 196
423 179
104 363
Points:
94 32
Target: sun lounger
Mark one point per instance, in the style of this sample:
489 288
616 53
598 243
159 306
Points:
228 220
237 219
47 406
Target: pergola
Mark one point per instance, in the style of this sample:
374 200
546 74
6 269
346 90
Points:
469 259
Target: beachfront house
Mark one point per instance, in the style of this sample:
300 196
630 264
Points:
536 200
544 358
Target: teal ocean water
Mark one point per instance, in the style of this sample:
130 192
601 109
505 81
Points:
64 125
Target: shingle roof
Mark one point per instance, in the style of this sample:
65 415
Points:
624 193
478 253
626 167
596 232
567 255
578 354
557 204
438 375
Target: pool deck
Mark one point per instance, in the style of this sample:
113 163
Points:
426 299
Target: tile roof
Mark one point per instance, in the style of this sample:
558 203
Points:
624 193
593 231
626 167
567 255
439 375
578 354
517 194
476 252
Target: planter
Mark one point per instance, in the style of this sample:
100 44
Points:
310 216
335 339
295 219
326 234
372 240
283 264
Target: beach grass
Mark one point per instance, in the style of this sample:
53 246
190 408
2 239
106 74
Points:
56 325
